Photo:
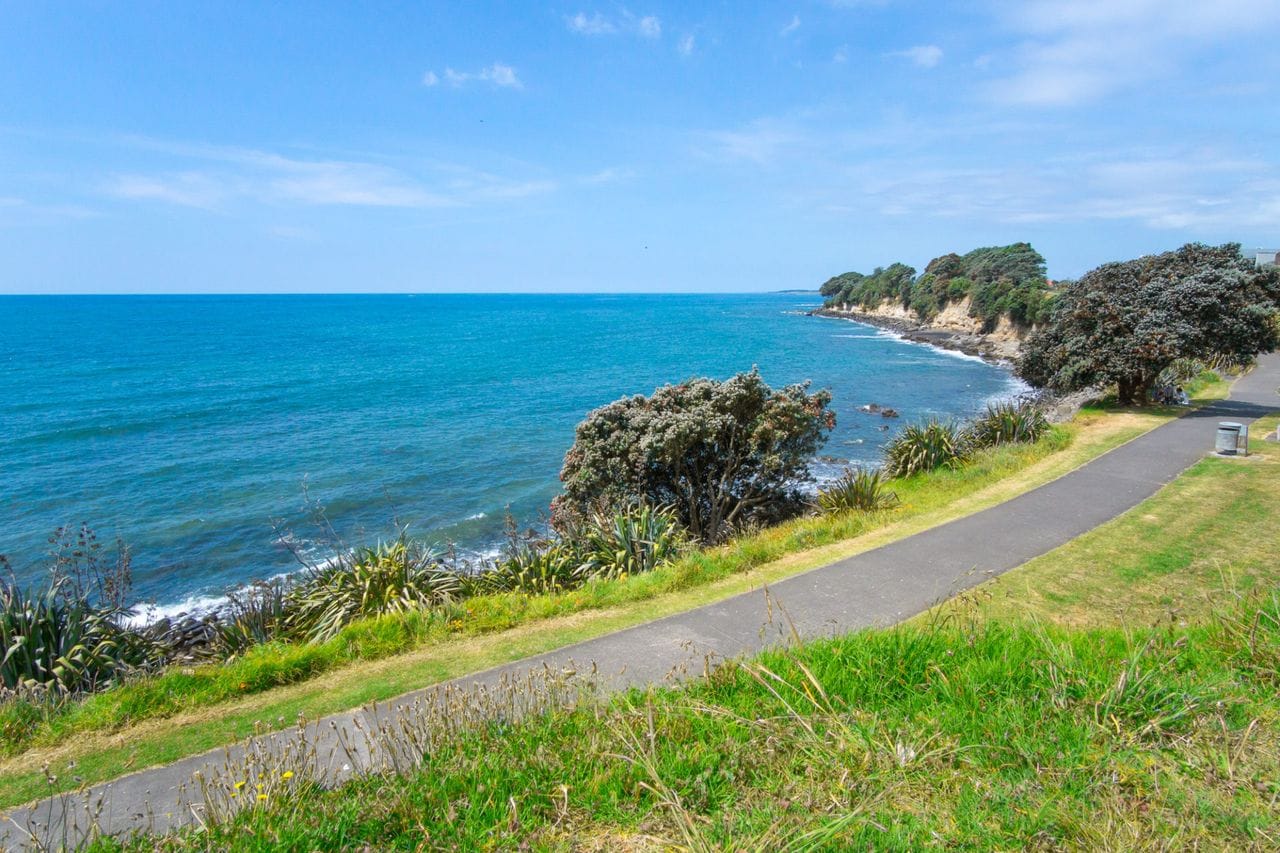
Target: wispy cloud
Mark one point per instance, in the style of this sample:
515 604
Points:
19 212
1176 190
225 176
189 189
598 24
1075 51
498 74
761 143
686 45
791 27
922 55
611 175
594 25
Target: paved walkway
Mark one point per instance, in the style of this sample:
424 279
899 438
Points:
879 587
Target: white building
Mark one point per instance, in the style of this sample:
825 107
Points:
1267 257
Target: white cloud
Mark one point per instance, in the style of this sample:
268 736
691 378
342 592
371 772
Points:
231 175
791 27
923 55
841 56
1174 189
188 189
611 175
761 143
597 24
18 212
1074 51
686 45
497 74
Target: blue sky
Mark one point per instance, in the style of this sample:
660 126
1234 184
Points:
471 146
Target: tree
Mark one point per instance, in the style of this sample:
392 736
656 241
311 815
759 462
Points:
720 453
1125 322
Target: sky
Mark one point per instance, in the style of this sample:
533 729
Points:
182 147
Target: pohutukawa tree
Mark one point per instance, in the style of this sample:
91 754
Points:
719 453
1123 323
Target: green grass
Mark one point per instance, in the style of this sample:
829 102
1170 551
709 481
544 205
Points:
183 712
1120 692
994 736
1211 533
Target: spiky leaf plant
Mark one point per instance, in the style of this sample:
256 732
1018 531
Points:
255 614
391 577
532 567
1008 422
858 489
924 447
630 542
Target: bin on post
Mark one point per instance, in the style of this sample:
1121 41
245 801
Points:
1228 438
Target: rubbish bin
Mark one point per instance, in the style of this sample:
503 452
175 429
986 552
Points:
1228 437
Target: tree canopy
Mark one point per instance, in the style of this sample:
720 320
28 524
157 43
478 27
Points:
720 453
1125 322
999 280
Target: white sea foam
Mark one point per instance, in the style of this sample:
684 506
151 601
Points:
477 516
195 605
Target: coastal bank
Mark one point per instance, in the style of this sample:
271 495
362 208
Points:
953 328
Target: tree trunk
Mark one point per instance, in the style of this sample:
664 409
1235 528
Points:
1125 389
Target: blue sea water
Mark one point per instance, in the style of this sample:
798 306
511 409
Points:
188 425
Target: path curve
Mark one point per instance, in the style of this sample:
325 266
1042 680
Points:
875 588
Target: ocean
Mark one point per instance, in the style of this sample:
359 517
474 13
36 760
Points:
197 428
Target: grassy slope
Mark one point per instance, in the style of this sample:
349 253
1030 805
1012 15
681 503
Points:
1120 692
185 712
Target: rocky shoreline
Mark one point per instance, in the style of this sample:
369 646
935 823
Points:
997 350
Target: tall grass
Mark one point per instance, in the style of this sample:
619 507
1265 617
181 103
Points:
976 735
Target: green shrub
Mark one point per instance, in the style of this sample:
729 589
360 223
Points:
1008 422
924 447
394 577
860 489
630 542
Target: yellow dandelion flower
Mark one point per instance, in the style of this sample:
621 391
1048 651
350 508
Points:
288 774
262 796
239 785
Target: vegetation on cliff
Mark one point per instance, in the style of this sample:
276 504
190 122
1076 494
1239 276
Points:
998 281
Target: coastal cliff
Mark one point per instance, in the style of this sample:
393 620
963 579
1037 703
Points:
952 328
983 302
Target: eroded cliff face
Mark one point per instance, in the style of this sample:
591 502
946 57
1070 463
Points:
953 328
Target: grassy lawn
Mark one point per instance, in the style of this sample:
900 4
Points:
1212 534
183 712
1120 692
